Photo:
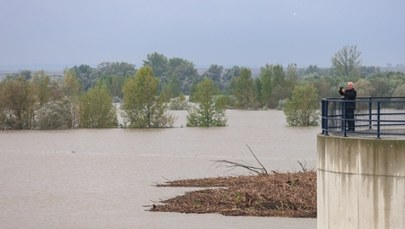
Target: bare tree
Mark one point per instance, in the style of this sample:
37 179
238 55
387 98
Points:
346 62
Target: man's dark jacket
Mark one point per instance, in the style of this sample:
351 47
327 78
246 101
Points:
349 94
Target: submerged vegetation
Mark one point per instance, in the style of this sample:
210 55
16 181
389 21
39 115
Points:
209 109
143 106
36 100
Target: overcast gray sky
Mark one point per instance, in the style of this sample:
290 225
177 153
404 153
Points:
247 33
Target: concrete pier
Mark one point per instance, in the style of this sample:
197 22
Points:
361 183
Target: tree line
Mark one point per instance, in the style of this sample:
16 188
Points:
83 97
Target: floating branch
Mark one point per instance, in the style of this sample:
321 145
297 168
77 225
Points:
258 170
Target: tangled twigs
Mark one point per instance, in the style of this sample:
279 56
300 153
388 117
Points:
232 164
263 168
277 194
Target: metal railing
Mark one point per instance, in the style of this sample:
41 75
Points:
373 116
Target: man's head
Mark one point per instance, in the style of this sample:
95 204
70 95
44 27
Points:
350 85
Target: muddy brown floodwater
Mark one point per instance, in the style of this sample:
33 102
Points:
91 178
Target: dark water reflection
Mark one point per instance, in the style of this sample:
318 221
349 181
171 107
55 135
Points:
102 178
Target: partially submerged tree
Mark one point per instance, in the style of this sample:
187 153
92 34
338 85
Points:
265 85
54 115
142 105
279 85
53 110
96 109
301 109
72 90
210 110
243 89
16 103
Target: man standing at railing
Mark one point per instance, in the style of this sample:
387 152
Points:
349 104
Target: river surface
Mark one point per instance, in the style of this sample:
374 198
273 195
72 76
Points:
90 178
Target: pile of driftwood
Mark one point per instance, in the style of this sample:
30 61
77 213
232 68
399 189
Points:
276 194
264 194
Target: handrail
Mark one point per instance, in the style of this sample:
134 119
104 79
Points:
373 116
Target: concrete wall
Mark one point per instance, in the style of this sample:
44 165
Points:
361 183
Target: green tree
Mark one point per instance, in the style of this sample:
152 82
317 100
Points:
278 92
369 70
215 72
3 107
16 103
71 84
312 70
278 76
143 107
326 86
243 89
258 89
85 75
116 69
54 115
181 75
113 75
382 86
168 86
364 88
266 85
301 109
346 62
210 110
399 91
228 76
96 109
291 78
72 90
158 63
115 85
171 88
386 83
54 110
41 87
176 75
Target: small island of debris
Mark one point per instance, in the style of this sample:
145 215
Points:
275 194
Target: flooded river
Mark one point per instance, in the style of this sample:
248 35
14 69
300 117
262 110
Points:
91 178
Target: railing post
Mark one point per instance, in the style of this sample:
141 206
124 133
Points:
344 118
370 104
324 115
378 119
